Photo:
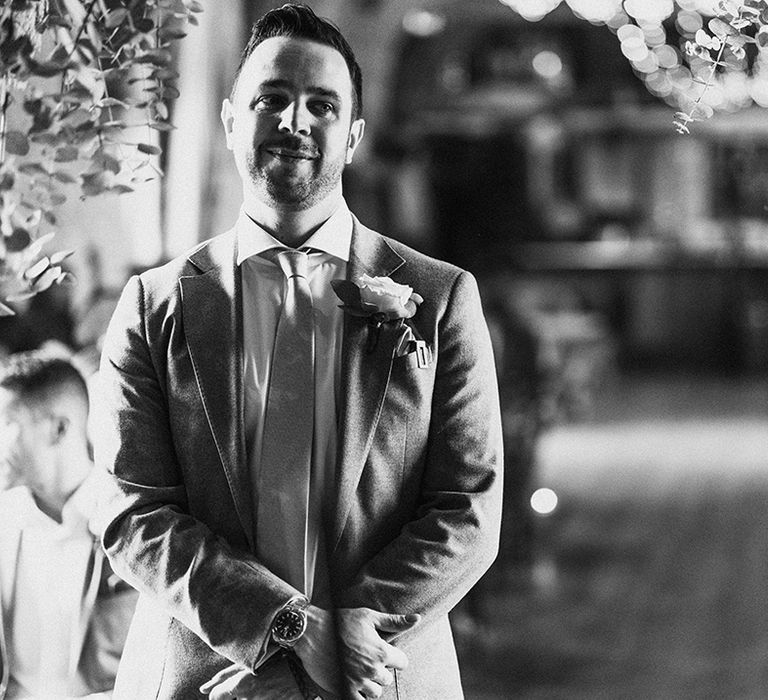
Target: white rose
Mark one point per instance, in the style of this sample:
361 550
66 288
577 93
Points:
387 296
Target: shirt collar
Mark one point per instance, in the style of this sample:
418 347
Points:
77 512
333 237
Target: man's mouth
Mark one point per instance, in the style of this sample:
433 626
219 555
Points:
289 154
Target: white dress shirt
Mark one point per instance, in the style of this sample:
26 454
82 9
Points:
263 285
51 576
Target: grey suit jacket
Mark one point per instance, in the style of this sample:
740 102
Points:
415 518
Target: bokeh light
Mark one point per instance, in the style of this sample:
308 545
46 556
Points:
688 22
547 64
678 76
423 23
595 10
649 10
532 10
544 501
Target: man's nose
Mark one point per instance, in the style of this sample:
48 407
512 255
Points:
294 119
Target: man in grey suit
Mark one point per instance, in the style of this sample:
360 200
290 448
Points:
261 576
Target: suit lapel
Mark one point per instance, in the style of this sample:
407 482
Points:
211 307
364 375
10 539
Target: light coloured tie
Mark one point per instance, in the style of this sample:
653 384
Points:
282 485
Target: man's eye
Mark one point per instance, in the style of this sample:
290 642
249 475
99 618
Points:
323 108
268 102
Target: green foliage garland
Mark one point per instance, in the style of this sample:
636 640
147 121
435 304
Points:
736 26
78 80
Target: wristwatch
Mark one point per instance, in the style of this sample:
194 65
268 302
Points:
290 622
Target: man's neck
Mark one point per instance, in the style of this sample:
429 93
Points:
53 496
292 227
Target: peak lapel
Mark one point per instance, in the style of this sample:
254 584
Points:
211 307
364 375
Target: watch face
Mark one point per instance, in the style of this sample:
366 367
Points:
289 625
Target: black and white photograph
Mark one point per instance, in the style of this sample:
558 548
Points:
401 349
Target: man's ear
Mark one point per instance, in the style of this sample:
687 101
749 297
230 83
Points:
59 428
356 132
227 119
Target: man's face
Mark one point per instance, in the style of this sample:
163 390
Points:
290 124
19 442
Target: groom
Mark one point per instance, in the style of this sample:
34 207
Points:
301 492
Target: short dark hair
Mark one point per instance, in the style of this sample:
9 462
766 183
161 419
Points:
36 377
300 21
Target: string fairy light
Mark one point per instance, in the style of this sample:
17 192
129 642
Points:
708 71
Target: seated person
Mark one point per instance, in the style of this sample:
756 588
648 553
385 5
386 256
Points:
64 615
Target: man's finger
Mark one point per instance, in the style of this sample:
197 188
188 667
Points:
221 676
395 658
384 677
369 689
240 685
396 623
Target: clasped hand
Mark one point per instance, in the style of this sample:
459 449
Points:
364 670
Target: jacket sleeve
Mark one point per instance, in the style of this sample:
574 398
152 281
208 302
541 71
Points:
223 594
453 536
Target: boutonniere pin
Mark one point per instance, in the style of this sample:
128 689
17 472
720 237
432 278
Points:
379 299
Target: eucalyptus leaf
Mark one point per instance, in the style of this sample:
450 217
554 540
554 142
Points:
16 143
61 256
719 28
37 269
701 112
171 33
66 154
93 184
161 126
44 137
161 110
115 18
164 74
111 102
48 277
120 188
76 117
144 25
7 181
18 240
106 162
149 149
46 69
157 57
33 169
37 246
169 92
21 296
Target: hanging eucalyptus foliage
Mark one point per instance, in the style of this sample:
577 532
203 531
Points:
84 92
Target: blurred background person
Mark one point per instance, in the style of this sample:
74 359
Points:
64 613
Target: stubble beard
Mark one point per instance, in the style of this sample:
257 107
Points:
296 193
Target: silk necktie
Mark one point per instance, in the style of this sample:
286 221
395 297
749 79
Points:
284 473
